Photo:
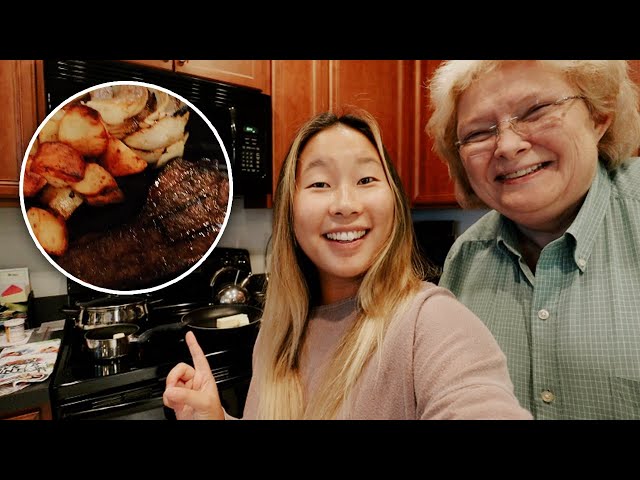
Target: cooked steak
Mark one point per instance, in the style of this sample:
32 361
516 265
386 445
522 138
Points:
182 216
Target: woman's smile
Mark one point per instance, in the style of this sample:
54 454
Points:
346 236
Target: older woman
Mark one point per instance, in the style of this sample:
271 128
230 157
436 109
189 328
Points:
554 269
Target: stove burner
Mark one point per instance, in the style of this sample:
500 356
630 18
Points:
113 367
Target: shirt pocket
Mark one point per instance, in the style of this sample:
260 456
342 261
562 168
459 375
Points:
626 398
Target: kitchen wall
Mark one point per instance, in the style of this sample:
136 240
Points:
18 250
246 228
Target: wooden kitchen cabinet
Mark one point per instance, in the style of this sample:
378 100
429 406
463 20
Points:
430 182
18 123
302 88
41 413
248 73
299 90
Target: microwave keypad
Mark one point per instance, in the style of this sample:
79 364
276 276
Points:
250 155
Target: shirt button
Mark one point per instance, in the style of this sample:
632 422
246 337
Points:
582 262
547 396
543 314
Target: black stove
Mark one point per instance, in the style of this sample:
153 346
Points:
131 387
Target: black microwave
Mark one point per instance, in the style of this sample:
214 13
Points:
240 115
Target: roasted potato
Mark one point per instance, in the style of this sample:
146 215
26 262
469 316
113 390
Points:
49 229
32 184
31 156
96 180
58 163
63 201
163 133
120 160
34 148
106 198
49 132
81 128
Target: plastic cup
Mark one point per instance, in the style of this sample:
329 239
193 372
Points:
14 329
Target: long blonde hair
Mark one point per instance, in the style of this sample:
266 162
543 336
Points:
394 275
605 84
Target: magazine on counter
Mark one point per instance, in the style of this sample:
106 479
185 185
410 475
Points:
23 364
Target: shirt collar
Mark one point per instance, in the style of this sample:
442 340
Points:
583 229
506 236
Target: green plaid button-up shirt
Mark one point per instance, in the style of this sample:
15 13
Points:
571 333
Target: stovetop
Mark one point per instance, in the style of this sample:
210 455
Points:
79 374
143 371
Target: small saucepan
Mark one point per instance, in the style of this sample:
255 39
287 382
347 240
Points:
112 342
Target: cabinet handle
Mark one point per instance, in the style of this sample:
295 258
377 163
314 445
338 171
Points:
181 62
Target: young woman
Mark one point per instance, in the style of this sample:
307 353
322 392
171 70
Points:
350 330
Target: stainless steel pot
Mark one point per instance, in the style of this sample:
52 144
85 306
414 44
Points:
112 342
102 312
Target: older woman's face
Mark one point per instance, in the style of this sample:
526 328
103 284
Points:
538 172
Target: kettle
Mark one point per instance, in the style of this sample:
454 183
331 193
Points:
230 293
256 285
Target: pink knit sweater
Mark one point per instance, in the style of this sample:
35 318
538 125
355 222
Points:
438 361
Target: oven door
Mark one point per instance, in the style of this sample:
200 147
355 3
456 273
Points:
145 403
132 403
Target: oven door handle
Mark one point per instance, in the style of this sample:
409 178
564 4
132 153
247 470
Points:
126 410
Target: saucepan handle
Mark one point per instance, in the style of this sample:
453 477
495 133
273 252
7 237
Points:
169 327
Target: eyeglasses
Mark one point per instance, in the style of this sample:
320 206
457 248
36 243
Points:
535 120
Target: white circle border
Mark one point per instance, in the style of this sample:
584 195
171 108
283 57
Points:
95 287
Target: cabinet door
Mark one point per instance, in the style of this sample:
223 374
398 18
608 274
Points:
163 64
37 412
33 415
431 185
18 122
249 73
299 90
384 88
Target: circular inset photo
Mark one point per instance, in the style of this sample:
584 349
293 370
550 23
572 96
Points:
113 195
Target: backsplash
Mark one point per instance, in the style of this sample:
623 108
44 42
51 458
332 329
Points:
246 228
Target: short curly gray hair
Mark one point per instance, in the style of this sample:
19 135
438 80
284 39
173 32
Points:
605 84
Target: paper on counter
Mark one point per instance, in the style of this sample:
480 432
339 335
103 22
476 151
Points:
32 362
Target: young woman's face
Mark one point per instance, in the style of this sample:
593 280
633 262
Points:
343 208
537 172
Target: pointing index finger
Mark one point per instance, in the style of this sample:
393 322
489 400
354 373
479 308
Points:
199 359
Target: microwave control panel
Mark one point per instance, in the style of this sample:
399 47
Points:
251 161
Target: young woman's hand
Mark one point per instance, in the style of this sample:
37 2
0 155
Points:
192 392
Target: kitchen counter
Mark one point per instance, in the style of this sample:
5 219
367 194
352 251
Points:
33 402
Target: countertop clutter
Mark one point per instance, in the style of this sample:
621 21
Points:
33 401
